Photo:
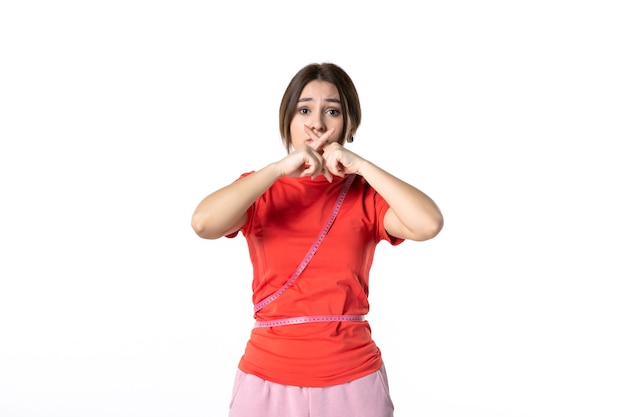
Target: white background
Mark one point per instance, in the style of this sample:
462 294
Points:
117 117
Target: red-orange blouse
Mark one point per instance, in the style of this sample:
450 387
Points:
281 227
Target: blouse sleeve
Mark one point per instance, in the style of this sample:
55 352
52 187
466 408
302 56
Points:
381 209
250 211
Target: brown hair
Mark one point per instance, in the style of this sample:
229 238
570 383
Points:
350 104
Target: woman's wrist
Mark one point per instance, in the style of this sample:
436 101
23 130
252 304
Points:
364 168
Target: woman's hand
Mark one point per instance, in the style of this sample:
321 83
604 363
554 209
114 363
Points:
340 161
337 160
320 155
307 160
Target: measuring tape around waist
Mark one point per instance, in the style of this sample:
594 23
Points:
308 319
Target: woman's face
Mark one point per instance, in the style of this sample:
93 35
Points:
319 109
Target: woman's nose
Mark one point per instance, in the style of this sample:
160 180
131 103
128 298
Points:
318 124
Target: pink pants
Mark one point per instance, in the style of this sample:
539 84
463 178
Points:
364 397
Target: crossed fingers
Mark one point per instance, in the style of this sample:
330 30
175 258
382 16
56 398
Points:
319 142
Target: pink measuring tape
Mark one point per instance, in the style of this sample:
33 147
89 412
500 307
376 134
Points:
298 271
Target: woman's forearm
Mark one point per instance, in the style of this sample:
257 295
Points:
412 215
224 211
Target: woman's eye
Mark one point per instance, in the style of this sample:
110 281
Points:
333 112
303 111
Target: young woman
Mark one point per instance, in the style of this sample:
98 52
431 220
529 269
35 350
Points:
312 221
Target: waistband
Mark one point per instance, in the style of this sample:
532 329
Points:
308 319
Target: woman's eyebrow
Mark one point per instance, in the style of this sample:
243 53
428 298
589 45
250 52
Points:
331 100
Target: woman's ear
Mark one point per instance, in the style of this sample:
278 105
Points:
349 135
